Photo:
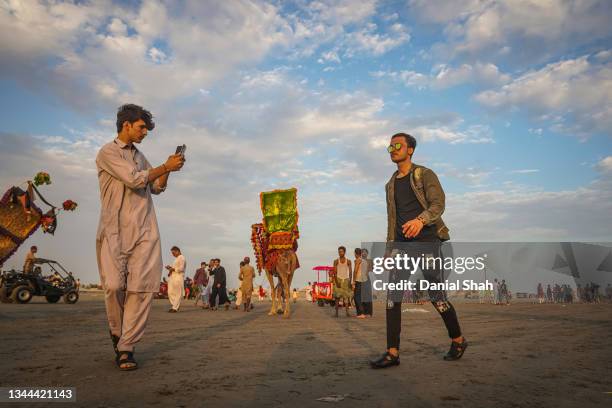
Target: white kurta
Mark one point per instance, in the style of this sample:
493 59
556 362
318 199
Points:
176 282
127 242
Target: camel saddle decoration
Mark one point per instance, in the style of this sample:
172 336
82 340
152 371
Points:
20 217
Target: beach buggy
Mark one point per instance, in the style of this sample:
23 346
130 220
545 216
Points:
49 279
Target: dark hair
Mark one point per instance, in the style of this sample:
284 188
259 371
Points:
342 248
132 113
175 248
357 251
203 263
241 263
410 140
33 247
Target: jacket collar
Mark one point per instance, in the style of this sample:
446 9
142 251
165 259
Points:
412 168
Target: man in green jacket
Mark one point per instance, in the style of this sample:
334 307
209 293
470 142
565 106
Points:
415 203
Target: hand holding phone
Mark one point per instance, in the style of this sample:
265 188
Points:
181 150
174 162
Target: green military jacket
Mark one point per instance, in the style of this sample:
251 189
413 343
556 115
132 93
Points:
430 194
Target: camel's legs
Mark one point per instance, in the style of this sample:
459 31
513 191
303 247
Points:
273 294
287 287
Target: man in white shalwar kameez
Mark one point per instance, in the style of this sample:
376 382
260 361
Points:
176 280
127 242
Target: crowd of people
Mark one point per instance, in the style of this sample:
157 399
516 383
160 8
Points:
566 294
208 287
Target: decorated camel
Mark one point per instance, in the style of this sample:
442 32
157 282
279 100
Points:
275 245
20 217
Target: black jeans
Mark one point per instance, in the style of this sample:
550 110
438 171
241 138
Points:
437 297
363 298
222 292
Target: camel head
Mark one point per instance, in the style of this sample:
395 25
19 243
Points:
286 262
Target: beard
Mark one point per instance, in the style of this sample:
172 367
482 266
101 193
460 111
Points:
399 159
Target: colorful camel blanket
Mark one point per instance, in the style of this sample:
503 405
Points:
279 227
19 218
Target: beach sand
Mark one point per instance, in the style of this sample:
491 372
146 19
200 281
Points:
523 355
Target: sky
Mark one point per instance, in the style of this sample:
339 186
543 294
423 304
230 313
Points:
510 101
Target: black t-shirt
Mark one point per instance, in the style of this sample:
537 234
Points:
407 207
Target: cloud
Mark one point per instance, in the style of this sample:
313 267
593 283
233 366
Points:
342 11
482 74
605 165
527 214
407 77
471 176
444 76
329 56
524 171
443 11
370 41
478 28
112 53
574 95
163 52
475 134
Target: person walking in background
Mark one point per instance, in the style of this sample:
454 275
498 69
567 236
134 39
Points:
549 295
176 280
295 295
200 280
128 248
247 274
309 292
354 284
343 274
540 293
496 295
361 285
579 293
504 296
219 286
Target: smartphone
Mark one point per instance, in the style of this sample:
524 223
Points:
181 150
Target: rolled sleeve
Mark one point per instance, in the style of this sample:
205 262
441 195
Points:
155 187
111 161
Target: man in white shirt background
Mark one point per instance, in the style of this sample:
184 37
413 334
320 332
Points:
176 280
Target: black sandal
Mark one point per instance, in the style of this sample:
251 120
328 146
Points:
456 350
124 360
386 360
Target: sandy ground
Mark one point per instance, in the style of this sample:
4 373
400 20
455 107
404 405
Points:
521 355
